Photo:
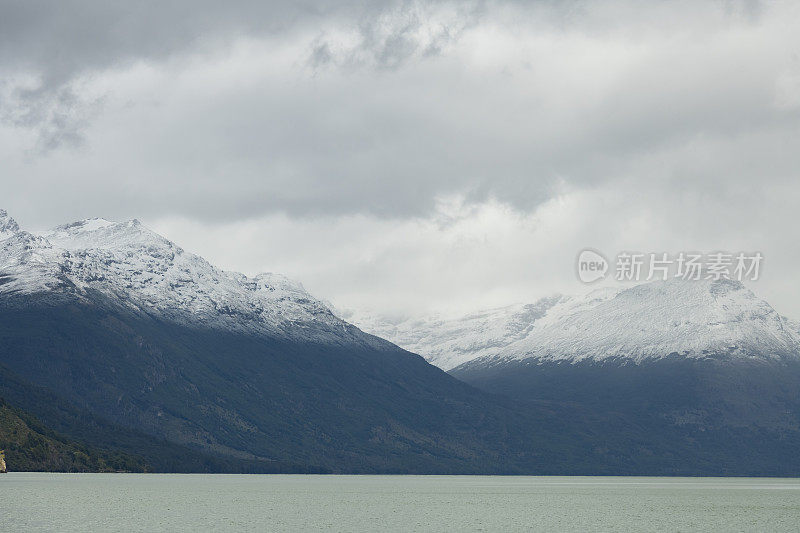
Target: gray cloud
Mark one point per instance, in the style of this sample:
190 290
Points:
385 106
58 41
53 44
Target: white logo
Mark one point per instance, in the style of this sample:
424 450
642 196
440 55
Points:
638 266
591 266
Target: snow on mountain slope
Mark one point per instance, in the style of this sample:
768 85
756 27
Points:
691 318
448 343
141 269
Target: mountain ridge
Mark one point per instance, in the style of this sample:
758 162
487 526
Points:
129 262
647 321
147 349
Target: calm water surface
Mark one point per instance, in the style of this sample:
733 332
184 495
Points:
167 502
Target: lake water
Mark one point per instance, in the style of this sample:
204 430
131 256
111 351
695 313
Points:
167 502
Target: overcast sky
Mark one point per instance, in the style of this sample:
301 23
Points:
407 157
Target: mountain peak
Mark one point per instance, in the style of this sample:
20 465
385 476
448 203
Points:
694 318
89 224
97 224
101 233
8 226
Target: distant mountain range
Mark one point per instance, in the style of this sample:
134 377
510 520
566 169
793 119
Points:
120 341
695 358
693 319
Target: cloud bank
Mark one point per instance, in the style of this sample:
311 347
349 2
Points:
409 155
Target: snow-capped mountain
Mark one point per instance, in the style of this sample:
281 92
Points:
143 270
112 334
678 357
695 319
